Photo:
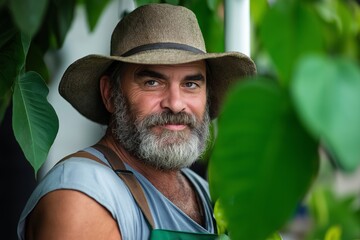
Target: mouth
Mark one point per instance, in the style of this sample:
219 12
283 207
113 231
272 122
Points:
174 127
170 127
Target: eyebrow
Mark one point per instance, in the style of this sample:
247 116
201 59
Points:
150 73
154 74
195 77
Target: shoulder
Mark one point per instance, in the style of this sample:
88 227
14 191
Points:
83 181
69 214
84 175
87 176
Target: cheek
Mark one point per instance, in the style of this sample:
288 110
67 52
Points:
198 106
142 104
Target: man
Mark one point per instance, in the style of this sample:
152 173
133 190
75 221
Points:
157 93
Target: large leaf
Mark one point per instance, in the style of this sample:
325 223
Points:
263 161
35 122
327 95
28 14
94 8
288 31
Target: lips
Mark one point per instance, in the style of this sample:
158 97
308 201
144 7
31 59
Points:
174 127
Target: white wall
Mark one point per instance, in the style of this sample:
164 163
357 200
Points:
237 26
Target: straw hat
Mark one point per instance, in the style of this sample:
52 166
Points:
152 34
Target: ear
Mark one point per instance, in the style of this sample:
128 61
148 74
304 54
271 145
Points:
105 90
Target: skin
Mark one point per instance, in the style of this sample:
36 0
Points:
69 214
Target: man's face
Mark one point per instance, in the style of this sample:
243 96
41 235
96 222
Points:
161 113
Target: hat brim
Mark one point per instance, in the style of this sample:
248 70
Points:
80 82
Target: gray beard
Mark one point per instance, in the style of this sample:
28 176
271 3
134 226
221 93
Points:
169 150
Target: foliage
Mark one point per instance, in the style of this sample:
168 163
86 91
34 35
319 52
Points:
34 117
336 217
29 29
260 122
306 95
326 93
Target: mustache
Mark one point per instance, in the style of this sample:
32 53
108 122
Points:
168 117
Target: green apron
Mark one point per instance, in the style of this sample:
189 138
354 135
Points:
161 234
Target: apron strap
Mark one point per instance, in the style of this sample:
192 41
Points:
82 154
127 176
130 180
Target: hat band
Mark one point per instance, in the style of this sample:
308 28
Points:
155 46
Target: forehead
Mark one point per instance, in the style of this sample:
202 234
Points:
198 67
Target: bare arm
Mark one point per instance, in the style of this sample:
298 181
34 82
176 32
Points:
69 214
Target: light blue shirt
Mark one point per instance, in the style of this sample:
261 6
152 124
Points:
103 185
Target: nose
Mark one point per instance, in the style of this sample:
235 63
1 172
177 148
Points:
173 100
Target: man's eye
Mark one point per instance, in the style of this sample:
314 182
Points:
191 85
151 83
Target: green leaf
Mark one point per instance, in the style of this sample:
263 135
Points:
4 104
327 95
13 49
35 122
173 2
52 33
221 222
62 16
263 161
258 9
285 32
275 236
223 237
143 2
334 233
214 33
28 14
11 58
341 26
333 215
94 8
212 4
35 62
211 25
2 2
